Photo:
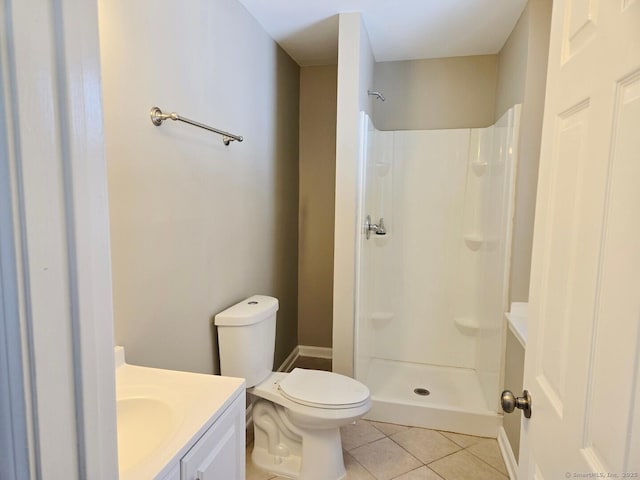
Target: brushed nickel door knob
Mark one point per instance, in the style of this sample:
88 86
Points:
510 402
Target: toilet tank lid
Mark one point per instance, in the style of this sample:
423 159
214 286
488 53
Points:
247 312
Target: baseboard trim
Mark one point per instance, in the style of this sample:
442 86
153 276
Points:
507 454
289 361
315 352
298 351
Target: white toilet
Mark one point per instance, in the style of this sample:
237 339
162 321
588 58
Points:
297 416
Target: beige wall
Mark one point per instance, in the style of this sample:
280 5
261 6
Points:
457 92
316 199
512 66
513 375
197 226
522 68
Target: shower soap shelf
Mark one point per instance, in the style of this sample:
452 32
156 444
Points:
381 316
467 325
479 168
474 241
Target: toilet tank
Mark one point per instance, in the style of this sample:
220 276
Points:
247 338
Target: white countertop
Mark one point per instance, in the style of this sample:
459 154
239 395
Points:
162 413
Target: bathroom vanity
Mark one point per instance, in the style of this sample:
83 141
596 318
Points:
179 425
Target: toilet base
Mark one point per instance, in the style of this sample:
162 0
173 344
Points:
288 467
293 452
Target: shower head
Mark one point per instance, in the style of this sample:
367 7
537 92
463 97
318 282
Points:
376 94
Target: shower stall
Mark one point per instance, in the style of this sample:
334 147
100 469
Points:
432 277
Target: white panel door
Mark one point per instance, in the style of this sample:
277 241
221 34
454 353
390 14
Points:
582 364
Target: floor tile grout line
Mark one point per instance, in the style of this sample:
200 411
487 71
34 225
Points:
447 438
484 461
434 472
364 468
370 422
461 446
472 454
418 468
441 432
408 452
460 449
364 444
405 473
444 456
422 464
368 443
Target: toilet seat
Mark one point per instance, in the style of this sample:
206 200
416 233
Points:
302 440
320 389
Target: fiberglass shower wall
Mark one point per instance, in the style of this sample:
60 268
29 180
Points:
432 290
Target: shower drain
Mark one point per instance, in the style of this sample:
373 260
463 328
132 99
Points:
423 392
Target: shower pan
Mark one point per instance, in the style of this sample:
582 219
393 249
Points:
431 291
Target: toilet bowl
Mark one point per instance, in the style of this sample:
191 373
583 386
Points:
297 431
297 416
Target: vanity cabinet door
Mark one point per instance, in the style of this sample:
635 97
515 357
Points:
220 452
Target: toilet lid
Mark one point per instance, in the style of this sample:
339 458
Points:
318 388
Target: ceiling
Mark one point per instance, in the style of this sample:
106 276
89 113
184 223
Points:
398 29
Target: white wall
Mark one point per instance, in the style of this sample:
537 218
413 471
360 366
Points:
197 226
355 77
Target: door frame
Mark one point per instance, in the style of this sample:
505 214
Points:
55 272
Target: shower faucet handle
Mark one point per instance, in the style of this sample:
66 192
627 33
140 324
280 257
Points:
378 228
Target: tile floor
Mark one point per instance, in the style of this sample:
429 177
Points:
384 451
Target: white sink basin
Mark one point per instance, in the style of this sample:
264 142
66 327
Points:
144 424
162 413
